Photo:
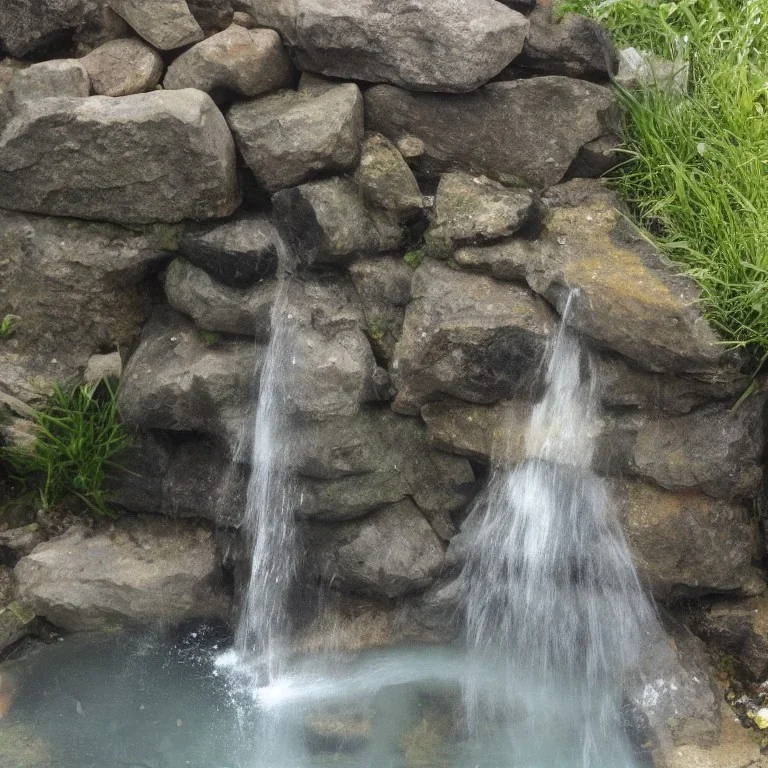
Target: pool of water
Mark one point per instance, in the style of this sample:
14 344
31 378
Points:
180 699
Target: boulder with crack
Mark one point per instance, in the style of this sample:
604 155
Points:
164 25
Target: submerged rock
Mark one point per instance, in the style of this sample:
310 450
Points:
164 25
161 156
143 569
437 45
123 67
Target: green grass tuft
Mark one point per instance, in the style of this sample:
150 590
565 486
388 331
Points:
8 326
697 165
414 258
78 435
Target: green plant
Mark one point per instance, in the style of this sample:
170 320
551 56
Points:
78 435
209 338
8 325
414 257
376 328
697 163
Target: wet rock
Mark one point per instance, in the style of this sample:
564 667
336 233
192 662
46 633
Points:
161 156
384 288
103 368
175 381
62 77
687 544
142 569
551 118
217 307
212 15
390 553
165 26
385 179
239 253
17 621
123 67
434 616
235 62
78 288
290 137
714 448
441 45
326 222
468 337
475 210
337 731
22 746
19 542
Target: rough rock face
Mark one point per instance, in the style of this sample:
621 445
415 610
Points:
469 337
235 62
687 544
326 222
77 288
212 15
161 156
62 77
122 68
289 138
440 45
164 25
146 569
551 118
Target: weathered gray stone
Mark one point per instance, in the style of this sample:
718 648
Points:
473 210
175 381
385 178
642 70
326 222
384 288
103 368
161 156
212 15
686 544
714 448
217 307
61 77
468 337
390 553
238 253
146 569
123 67
289 138
164 25
440 45
243 19
19 542
78 288
237 62
551 118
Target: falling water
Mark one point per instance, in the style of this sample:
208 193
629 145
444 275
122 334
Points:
552 594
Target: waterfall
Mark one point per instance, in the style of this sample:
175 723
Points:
552 593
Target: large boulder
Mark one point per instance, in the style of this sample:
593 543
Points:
152 157
123 67
164 25
235 62
550 118
388 554
60 77
290 138
687 544
177 381
77 288
432 45
213 15
327 222
468 337
143 570
217 307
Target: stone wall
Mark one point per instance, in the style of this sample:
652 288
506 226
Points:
435 174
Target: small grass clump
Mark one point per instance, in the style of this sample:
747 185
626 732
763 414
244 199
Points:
414 257
8 326
78 434
697 163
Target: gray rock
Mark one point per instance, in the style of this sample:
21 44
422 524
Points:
143 570
467 336
61 77
434 616
475 210
78 288
390 553
235 62
440 45
289 138
103 368
123 67
597 158
384 288
687 544
19 542
243 19
326 222
164 25
175 381
161 156
217 307
643 70
551 118
212 15
385 178
714 448
315 85
238 253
